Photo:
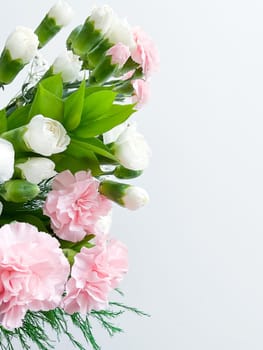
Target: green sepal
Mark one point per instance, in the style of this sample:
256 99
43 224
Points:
47 104
103 71
18 191
115 191
73 106
9 68
3 121
46 30
123 173
83 39
95 56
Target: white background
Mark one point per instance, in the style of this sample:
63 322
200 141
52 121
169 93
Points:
196 251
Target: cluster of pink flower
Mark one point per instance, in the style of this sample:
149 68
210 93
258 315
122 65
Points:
145 54
35 274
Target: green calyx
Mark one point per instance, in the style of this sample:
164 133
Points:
46 30
9 68
18 191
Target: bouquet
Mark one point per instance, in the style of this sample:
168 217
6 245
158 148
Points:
68 150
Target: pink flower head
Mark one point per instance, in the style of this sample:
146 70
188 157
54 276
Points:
145 53
141 92
74 205
120 54
33 272
95 273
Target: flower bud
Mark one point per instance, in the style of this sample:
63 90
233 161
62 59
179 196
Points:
131 149
7 158
69 65
122 173
46 136
18 191
130 197
36 169
20 48
62 13
58 16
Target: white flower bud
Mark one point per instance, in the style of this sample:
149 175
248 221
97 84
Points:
121 32
22 44
7 159
37 169
46 136
69 65
135 198
62 13
102 17
131 149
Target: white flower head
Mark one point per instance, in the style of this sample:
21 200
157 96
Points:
121 32
131 149
135 198
37 169
22 44
62 13
46 136
69 65
7 159
102 17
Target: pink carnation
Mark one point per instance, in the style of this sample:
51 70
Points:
74 205
145 53
120 54
33 272
95 273
141 92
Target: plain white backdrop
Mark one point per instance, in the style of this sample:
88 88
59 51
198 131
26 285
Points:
196 262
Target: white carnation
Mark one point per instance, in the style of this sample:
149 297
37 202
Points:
37 169
7 159
135 198
69 65
62 13
121 32
132 150
102 17
46 136
22 44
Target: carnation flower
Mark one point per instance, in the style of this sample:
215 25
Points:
119 54
46 136
69 65
37 169
62 13
145 52
22 44
74 205
7 159
131 149
33 272
141 92
95 273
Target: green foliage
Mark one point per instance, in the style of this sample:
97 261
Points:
53 84
114 116
73 108
47 104
3 121
19 117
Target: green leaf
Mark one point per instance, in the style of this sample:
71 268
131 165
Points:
83 147
47 104
53 84
75 163
3 121
97 104
91 89
18 118
73 108
115 116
